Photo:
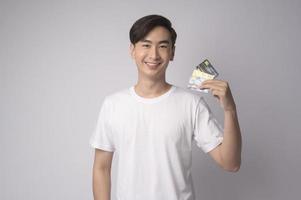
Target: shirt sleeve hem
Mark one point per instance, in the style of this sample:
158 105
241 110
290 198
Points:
212 145
102 147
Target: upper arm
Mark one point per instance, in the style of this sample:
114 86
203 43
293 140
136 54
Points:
103 159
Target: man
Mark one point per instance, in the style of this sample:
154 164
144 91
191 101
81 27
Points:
151 125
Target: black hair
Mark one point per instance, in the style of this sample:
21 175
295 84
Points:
144 25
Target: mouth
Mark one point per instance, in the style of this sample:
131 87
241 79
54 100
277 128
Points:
152 65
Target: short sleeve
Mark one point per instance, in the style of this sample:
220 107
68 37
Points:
102 136
208 133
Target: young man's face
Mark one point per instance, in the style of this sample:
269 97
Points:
153 53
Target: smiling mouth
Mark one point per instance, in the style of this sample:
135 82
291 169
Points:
152 65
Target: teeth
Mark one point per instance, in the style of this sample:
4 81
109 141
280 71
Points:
152 64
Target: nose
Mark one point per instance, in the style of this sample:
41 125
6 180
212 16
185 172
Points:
154 54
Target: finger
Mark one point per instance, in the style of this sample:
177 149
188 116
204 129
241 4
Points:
216 94
213 87
216 82
220 87
219 93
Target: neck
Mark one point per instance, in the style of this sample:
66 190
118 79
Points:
150 88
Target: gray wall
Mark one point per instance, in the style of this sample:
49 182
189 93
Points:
58 59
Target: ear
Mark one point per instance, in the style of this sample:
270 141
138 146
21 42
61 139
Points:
173 53
132 50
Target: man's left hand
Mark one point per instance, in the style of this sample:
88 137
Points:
221 90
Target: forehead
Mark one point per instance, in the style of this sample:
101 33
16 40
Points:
158 34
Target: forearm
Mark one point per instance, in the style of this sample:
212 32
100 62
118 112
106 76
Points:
101 184
231 146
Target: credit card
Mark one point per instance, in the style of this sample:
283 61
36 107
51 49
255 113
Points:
204 71
206 67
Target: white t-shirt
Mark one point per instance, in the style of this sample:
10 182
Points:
153 138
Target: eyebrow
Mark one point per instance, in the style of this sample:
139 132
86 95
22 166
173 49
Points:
161 42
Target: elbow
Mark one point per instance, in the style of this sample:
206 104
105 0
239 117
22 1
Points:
234 168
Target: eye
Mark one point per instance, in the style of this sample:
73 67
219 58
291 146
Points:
163 46
145 45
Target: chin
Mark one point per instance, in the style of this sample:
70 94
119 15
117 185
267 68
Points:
152 74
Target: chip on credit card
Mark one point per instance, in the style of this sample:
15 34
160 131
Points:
204 71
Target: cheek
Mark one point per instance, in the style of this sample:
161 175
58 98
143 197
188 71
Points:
140 55
167 55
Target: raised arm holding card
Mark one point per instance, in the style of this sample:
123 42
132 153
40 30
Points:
228 153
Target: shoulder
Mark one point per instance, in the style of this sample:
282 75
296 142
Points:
192 99
187 95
